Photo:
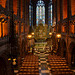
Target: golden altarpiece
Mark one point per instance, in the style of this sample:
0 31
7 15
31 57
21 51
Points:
41 32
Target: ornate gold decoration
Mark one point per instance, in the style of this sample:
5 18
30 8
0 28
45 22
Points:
41 32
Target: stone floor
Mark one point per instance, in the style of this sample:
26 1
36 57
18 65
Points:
44 68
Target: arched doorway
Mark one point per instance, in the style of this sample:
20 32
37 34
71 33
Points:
3 70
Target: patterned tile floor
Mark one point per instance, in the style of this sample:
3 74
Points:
44 68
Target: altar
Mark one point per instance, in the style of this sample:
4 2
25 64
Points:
41 32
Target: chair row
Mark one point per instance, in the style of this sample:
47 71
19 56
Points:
30 66
58 65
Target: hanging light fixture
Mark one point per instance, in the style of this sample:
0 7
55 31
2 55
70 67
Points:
32 33
29 36
58 36
50 33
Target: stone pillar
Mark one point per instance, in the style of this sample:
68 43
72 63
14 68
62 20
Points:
8 25
23 2
68 14
68 25
8 8
68 57
25 12
56 15
19 16
61 14
61 19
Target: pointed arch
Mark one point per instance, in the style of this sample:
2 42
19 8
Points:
40 12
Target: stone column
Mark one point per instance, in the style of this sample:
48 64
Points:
68 14
68 25
56 15
61 19
23 2
8 8
25 12
19 16
8 25
23 5
56 26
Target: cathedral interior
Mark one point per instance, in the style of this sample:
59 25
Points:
37 37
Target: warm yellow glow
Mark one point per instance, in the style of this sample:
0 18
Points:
2 20
58 35
9 59
33 33
29 36
3 29
50 33
14 61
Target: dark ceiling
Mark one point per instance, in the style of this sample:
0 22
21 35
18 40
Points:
35 1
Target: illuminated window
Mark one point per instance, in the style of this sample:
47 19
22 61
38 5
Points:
73 7
30 14
72 29
50 14
63 29
22 29
5 29
40 12
64 9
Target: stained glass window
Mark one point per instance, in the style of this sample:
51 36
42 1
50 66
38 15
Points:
40 12
31 14
50 14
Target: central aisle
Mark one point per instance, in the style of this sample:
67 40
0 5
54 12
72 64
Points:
44 68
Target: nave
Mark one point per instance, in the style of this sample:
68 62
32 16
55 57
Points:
44 64
37 37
